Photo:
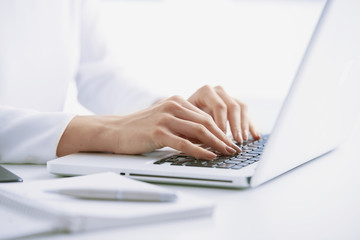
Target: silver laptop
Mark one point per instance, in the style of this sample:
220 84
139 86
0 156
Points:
319 112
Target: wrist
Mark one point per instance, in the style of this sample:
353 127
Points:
85 134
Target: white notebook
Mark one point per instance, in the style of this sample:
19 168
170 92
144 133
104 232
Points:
28 208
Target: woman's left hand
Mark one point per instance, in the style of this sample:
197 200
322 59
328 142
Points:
223 108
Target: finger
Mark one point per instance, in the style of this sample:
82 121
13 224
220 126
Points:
208 101
183 102
198 131
256 135
219 118
234 114
192 140
206 121
186 147
244 120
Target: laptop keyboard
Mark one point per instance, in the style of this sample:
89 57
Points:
250 153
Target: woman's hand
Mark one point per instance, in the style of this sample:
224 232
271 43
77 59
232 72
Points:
223 108
173 122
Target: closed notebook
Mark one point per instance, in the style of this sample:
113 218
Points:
28 208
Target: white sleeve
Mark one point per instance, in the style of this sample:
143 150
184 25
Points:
28 136
101 88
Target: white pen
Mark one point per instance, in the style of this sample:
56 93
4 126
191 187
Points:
111 194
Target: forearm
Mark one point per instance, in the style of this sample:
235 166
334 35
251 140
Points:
86 134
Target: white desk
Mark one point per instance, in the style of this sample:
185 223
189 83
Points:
319 200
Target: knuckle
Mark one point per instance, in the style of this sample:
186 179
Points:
206 88
170 106
208 121
220 106
182 144
234 106
200 130
219 88
197 155
158 132
164 119
176 98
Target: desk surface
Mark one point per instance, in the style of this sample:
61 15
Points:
319 200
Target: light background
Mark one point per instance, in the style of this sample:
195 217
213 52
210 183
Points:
251 48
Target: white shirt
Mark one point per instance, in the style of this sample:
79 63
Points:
43 46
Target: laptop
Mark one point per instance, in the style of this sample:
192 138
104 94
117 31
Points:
319 112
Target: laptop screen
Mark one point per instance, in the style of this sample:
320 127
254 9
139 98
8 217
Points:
323 104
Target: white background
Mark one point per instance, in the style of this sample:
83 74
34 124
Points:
252 48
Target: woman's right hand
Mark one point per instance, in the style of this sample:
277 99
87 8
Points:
173 122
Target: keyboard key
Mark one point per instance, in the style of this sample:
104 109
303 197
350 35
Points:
222 158
237 167
197 164
209 164
248 155
183 158
233 161
171 159
257 152
159 161
180 162
243 164
225 165
241 158
249 161
192 164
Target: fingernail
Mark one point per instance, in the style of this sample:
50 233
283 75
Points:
258 134
230 150
239 138
234 146
210 156
246 135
